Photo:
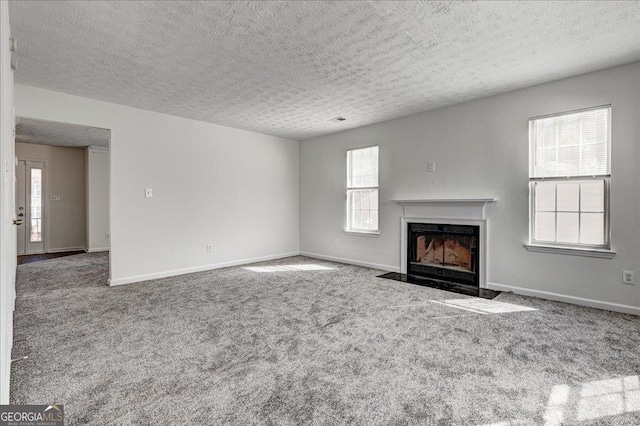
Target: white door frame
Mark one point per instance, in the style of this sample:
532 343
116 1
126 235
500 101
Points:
7 207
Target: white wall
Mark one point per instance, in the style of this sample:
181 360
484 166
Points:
65 228
235 189
481 150
7 203
97 199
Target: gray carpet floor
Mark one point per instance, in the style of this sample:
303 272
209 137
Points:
294 346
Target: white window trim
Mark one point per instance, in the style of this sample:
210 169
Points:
569 250
363 233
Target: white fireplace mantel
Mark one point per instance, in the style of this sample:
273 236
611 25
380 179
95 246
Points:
460 208
482 201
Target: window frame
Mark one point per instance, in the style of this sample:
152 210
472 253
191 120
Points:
348 228
582 249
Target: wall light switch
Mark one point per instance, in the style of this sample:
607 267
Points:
431 166
54 198
148 193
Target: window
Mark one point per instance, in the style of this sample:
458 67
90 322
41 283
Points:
36 206
362 190
570 174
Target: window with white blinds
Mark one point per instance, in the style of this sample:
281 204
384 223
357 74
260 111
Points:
362 189
570 172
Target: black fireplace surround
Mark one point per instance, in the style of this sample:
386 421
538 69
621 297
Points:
444 252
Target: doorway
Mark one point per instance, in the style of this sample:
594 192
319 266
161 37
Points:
62 189
30 206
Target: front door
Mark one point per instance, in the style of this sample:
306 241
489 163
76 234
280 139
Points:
21 203
30 206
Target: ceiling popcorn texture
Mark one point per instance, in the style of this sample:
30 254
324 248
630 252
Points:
60 134
287 68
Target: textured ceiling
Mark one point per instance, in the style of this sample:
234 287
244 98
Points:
60 134
286 68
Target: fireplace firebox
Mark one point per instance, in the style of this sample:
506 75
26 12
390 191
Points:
444 252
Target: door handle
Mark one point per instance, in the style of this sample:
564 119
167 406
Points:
18 221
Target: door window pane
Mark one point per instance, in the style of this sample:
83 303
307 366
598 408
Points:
35 235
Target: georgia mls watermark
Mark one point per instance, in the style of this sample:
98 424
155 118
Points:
31 415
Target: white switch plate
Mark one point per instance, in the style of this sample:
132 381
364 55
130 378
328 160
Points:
431 166
209 248
148 193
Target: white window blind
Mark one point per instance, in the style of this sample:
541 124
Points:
362 189
570 145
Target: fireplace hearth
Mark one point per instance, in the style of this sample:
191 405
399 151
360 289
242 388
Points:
444 252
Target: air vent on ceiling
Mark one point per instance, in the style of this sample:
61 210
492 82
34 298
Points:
337 119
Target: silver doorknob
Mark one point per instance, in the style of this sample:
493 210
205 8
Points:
18 221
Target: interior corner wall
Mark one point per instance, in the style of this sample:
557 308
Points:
481 150
97 200
65 228
7 202
234 189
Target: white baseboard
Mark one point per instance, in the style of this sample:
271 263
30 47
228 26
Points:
62 250
608 306
352 262
95 250
176 272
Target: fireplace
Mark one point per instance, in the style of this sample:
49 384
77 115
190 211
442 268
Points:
444 252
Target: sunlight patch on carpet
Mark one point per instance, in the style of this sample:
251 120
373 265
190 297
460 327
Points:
593 400
484 306
609 397
287 268
589 401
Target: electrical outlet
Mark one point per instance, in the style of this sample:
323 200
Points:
628 277
209 248
148 193
431 166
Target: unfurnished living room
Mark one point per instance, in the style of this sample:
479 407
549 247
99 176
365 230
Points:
320 212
